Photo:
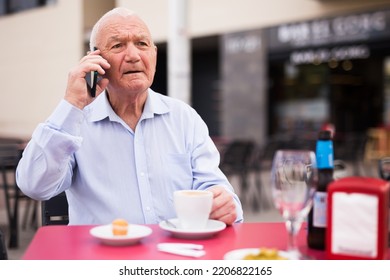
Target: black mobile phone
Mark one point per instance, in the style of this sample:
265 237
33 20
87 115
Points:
94 77
92 81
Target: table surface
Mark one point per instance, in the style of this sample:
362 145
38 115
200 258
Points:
76 243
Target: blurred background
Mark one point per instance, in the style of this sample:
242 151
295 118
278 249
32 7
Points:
262 74
265 71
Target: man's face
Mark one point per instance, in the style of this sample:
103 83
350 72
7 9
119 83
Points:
126 43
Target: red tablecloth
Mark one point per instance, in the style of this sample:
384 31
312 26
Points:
75 243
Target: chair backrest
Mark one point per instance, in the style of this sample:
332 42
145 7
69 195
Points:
238 155
10 154
3 248
55 210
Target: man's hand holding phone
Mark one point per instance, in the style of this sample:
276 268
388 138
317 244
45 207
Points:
82 86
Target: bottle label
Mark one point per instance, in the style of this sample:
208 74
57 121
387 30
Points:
319 209
324 154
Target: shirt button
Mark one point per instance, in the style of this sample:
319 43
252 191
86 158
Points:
148 208
142 174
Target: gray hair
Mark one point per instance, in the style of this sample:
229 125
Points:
96 28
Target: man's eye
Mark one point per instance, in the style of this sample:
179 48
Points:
142 43
116 46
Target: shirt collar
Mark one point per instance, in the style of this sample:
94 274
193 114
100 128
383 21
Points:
101 109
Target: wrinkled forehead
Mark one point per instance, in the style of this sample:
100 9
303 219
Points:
117 25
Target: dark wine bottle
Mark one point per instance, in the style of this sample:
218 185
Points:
316 223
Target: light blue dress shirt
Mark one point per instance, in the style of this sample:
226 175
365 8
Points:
110 171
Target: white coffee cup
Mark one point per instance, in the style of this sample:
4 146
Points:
193 208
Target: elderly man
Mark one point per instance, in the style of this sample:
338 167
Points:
123 153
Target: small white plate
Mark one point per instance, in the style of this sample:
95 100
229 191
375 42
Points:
239 254
135 234
213 227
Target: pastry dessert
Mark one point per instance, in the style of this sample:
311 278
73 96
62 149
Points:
120 227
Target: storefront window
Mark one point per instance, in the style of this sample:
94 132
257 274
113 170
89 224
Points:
301 104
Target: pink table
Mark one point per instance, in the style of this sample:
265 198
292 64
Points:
75 243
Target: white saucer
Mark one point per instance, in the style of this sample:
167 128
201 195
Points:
213 227
239 254
134 235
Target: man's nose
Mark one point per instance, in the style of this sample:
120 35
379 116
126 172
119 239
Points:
132 52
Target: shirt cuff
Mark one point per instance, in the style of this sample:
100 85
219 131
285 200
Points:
67 118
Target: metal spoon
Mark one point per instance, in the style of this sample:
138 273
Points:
168 222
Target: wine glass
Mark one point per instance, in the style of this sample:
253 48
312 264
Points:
294 181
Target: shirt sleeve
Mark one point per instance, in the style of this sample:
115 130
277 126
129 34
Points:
205 163
45 168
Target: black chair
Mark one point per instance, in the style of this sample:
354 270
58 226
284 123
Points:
10 154
237 160
3 248
350 147
55 210
237 156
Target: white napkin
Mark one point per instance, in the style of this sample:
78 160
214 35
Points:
355 224
182 249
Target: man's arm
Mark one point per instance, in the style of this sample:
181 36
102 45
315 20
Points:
207 175
45 168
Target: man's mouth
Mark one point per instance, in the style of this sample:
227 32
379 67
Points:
132 72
